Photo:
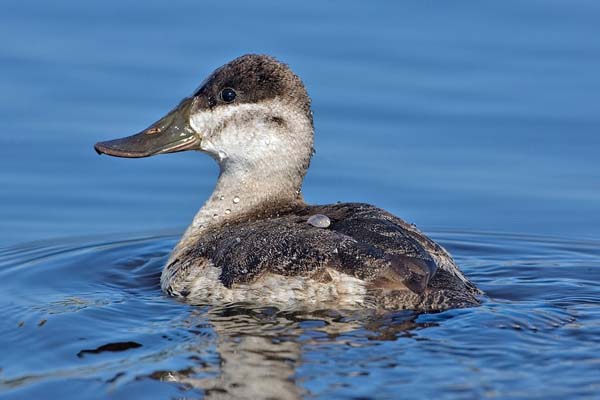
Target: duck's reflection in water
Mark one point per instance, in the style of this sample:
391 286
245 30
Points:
261 348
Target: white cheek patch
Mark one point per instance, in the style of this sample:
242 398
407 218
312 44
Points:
246 133
202 122
206 122
229 128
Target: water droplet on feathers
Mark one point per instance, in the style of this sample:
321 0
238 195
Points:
319 221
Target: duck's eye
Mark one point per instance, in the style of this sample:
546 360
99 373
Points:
227 95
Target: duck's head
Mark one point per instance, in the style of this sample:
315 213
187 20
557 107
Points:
251 113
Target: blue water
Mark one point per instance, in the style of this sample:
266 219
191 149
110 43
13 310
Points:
478 121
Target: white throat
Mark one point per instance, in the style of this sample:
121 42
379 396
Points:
263 150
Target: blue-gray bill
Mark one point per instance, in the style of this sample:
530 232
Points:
170 134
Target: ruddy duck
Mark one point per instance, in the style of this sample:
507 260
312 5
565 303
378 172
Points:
255 239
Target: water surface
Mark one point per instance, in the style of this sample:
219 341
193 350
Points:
477 121
93 321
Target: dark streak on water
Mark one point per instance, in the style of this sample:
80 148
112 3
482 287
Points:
119 346
474 117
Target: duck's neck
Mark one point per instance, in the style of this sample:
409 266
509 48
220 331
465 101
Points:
263 152
239 192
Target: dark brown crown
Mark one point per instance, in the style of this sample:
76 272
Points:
255 78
